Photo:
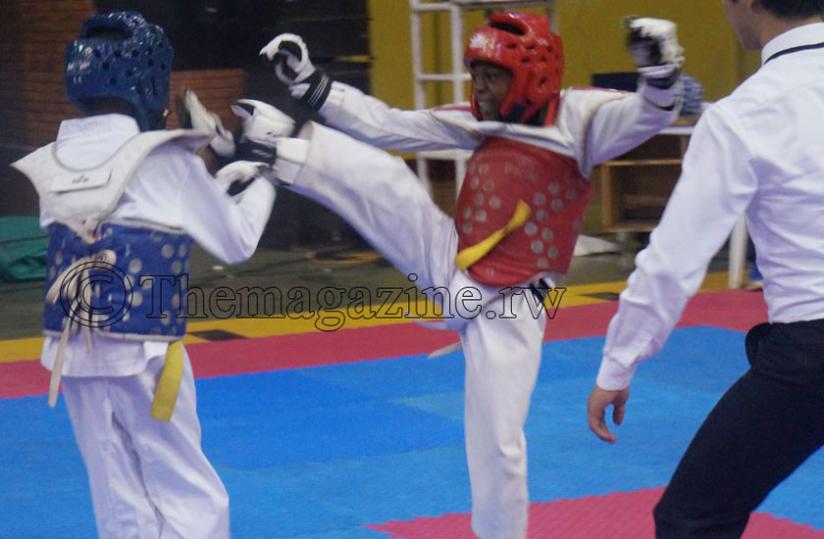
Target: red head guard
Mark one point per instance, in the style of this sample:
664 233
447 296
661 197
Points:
523 44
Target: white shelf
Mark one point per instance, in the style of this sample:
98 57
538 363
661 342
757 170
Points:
677 130
430 6
509 4
445 155
441 77
418 5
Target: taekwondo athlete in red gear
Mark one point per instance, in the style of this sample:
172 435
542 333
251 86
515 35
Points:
518 214
123 200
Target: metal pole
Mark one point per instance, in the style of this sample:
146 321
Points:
738 252
457 81
419 89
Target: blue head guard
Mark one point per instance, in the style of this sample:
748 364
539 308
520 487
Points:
120 55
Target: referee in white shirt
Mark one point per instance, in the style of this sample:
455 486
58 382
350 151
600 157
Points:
759 151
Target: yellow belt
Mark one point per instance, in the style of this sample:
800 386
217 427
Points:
470 255
168 386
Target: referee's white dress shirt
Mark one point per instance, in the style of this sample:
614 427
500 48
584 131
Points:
759 151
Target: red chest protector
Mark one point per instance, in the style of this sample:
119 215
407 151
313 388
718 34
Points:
501 173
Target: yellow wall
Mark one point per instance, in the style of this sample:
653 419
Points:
391 51
593 41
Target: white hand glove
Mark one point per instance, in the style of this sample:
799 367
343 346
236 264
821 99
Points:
195 116
654 46
263 125
290 57
293 67
236 176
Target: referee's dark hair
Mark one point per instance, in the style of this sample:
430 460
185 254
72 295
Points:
794 9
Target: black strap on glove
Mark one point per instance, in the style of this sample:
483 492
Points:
248 150
320 84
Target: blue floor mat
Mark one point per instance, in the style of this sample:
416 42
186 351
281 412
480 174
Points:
321 452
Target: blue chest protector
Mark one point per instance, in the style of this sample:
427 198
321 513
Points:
132 281
140 296
121 281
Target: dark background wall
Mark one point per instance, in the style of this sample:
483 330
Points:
216 54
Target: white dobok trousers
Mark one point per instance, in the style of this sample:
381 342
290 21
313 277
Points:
148 478
389 206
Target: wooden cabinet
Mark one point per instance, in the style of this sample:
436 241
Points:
636 186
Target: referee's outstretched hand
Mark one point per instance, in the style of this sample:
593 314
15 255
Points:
599 401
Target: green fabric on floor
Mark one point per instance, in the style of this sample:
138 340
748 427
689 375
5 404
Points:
23 249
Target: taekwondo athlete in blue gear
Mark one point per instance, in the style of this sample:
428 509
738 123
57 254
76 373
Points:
123 200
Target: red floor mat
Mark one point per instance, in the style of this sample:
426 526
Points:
729 309
614 516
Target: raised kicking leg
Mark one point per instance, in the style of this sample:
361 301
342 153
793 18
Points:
378 195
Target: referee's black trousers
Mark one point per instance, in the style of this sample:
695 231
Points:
765 426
